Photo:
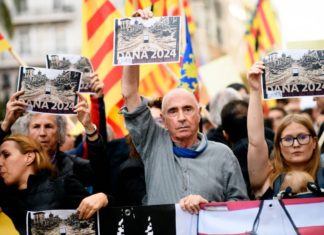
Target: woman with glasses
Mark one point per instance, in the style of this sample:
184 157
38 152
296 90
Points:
295 144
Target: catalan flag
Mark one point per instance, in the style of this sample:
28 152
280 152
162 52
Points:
98 25
97 44
98 22
189 74
262 32
158 80
4 44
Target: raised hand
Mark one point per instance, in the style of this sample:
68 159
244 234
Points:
254 75
83 113
96 85
14 109
143 13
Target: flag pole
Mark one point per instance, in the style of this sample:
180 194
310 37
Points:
173 75
183 25
18 59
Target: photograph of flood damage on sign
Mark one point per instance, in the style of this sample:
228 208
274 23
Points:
293 73
49 90
146 41
60 222
75 63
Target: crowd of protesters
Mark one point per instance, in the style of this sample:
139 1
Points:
167 157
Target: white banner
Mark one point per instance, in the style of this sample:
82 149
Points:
289 216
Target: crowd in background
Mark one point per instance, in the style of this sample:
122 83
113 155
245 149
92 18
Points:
238 150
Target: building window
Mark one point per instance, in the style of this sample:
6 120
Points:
6 81
23 41
6 87
219 35
21 6
218 10
57 5
60 39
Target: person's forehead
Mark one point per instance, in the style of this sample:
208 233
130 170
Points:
43 119
8 144
179 99
294 128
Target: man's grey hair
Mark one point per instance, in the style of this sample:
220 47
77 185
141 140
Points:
219 100
22 126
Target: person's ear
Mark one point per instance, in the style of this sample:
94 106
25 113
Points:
162 117
314 142
30 158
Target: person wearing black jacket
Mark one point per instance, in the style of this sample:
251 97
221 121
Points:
49 131
30 183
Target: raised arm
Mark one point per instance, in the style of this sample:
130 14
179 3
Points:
83 114
130 78
130 84
98 113
258 160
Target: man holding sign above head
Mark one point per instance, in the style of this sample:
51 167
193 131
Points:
181 165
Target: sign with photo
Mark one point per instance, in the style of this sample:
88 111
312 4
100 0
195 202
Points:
75 63
147 41
49 90
62 222
293 73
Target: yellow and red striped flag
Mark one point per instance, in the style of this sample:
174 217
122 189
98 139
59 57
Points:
262 33
98 25
4 44
97 44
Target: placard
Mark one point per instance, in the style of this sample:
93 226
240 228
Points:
146 41
293 73
49 90
61 222
75 63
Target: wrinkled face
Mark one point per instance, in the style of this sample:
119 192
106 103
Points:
181 116
43 128
13 164
297 154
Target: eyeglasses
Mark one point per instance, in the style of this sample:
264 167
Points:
289 140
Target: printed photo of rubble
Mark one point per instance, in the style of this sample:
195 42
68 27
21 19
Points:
139 41
75 63
294 73
49 90
60 222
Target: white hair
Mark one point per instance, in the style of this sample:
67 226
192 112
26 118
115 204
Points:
220 99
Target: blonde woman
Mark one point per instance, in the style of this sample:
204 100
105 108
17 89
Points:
29 183
295 143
